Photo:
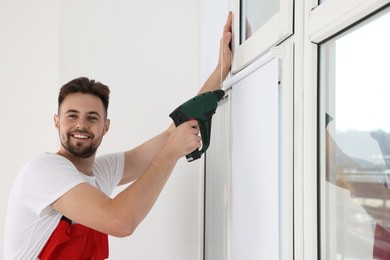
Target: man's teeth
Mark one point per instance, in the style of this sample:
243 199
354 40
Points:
81 136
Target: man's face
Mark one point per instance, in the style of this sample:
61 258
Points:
81 124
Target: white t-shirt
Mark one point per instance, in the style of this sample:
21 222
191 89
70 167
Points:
30 217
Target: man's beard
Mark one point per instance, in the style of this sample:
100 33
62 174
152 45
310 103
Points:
78 150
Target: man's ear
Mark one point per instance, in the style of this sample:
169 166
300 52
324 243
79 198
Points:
56 121
106 126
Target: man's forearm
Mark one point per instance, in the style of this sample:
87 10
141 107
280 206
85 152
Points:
214 81
135 202
222 69
138 159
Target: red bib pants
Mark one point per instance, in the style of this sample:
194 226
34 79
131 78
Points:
74 241
381 243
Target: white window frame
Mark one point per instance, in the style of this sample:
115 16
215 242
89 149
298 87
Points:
321 23
334 16
285 53
274 31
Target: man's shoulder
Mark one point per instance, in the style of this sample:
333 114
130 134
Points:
110 158
46 156
47 160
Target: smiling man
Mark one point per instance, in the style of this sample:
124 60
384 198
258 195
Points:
81 130
60 205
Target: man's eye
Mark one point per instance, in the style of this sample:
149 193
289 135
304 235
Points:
72 116
92 118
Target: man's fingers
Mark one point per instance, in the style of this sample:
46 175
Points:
228 24
193 123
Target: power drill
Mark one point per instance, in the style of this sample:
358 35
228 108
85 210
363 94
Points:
200 108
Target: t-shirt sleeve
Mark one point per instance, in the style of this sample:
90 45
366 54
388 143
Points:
108 170
46 179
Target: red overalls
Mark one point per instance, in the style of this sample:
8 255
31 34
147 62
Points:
75 241
381 243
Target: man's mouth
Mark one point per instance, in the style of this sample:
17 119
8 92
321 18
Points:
81 136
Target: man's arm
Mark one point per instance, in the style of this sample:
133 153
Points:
120 216
367 189
224 60
148 165
139 158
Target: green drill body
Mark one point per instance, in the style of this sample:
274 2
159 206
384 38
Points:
200 108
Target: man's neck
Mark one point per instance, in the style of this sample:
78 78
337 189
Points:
83 165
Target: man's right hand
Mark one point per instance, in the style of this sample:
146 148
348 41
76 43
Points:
183 140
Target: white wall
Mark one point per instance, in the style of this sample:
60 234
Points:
148 53
28 87
213 14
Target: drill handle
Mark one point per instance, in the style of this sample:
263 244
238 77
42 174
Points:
178 118
204 121
196 154
205 127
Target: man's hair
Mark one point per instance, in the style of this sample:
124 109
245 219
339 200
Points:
85 86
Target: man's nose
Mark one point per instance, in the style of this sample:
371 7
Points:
81 124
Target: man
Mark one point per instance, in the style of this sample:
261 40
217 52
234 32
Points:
59 207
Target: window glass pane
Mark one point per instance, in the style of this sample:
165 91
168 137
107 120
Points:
355 142
254 14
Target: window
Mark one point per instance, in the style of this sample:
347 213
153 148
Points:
249 170
255 14
355 142
261 25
